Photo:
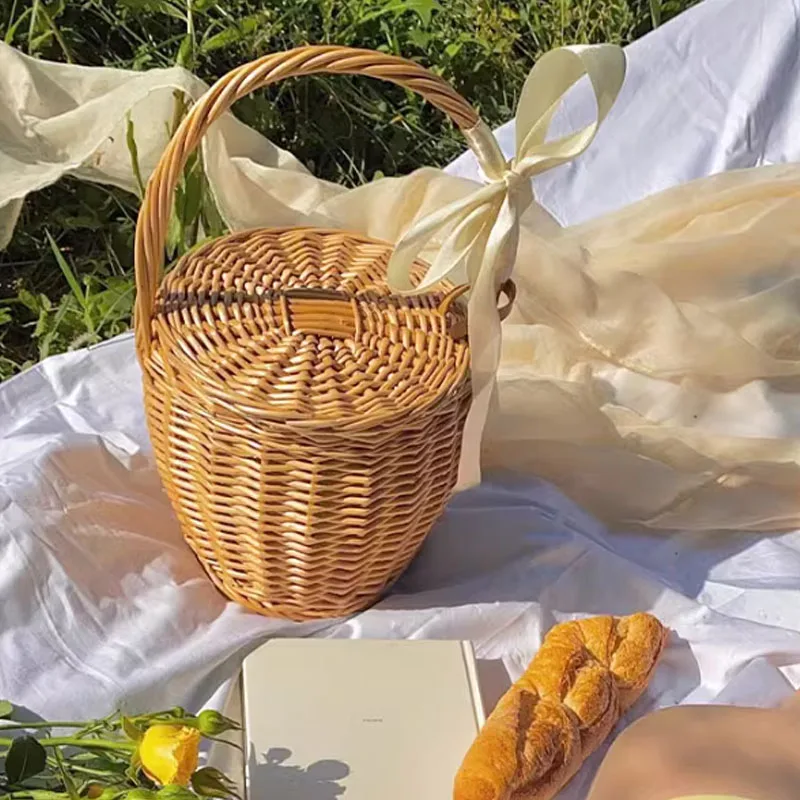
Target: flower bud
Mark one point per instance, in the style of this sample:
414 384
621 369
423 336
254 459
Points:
210 782
212 723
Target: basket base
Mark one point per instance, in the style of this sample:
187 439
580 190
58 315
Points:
296 612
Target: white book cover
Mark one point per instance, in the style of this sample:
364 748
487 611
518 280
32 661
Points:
358 719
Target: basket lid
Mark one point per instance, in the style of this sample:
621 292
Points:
298 325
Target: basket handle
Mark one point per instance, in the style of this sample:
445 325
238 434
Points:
151 228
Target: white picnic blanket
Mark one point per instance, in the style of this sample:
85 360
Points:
101 603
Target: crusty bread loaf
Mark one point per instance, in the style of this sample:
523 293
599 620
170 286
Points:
585 675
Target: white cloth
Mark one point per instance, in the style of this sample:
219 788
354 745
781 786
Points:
101 603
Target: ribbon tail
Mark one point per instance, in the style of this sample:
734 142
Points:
485 336
461 250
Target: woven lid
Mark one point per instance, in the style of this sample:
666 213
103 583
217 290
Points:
299 326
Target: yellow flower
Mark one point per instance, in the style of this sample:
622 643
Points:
169 753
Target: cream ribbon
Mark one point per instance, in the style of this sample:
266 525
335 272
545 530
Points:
481 231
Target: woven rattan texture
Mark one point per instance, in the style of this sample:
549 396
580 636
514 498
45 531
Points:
306 424
306 467
347 359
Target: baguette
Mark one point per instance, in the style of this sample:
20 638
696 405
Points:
585 675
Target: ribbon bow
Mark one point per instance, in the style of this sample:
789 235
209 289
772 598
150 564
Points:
481 231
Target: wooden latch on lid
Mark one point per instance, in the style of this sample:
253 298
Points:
321 312
326 312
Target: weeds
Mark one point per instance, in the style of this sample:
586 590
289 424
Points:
65 279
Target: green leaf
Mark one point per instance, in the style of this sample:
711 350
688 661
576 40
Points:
175 226
160 6
29 300
423 8
132 772
222 39
25 758
185 57
39 42
109 793
48 329
77 291
6 708
213 224
133 152
252 22
42 322
55 9
655 12
12 29
114 304
81 221
193 195
69 783
140 794
132 731
419 38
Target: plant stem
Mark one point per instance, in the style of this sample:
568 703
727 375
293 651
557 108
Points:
75 741
96 773
32 26
57 33
16 726
228 742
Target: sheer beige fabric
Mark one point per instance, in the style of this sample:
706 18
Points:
649 368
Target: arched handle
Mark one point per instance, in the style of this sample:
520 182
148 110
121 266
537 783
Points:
151 228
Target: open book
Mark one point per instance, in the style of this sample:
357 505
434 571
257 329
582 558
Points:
358 719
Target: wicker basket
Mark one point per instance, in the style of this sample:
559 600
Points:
306 421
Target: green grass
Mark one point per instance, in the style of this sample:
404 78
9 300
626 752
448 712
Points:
65 279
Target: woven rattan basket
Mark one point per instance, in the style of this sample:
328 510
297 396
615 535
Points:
306 421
